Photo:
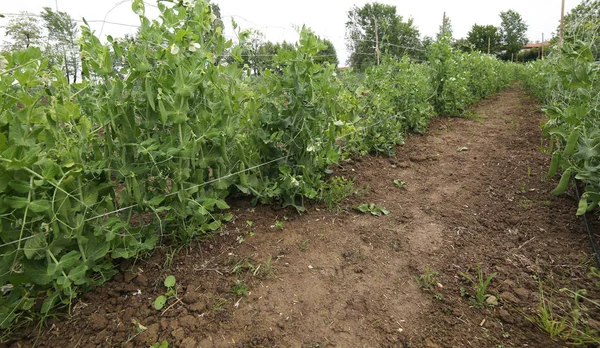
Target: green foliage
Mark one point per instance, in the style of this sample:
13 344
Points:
427 279
63 33
240 288
583 23
162 129
161 301
479 35
569 86
335 191
445 28
459 79
514 32
24 31
400 184
396 37
480 284
391 100
373 209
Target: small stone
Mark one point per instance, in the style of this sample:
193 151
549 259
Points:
188 342
522 293
178 334
98 322
507 296
140 280
430 343
506 317
492 300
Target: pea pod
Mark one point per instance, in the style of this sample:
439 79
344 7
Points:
243 177
563 183
571 143
554 164
583 205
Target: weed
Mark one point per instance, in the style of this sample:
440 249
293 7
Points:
264 269
439 297
400 184
219 303
480 285
240 288
570 322
163 344
525 203
303 245
462 149
375 210
160 301
279 224
243 265
427 279
334 192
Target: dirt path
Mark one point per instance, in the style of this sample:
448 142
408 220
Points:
475 195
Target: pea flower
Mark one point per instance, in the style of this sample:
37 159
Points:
3 63
193 47
174 49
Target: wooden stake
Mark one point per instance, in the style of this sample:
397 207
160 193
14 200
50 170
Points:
377 43
489 44
562 21
444 24
542 46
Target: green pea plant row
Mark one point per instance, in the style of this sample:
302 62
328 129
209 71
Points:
568 84
164 128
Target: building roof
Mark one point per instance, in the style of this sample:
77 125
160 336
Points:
536 45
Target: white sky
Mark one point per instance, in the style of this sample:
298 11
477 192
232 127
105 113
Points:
276 18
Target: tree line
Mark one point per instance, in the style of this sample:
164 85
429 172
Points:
376 24
372 30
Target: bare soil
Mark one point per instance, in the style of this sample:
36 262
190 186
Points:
476 194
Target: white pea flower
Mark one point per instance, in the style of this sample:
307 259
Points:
310 148
213 17
139 12
334 74
338 123
188 3
3 63
174 49
193 47
295 182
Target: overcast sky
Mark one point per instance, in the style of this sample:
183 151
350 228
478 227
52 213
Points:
277 18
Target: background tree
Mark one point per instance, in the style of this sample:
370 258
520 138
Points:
396 37
251 54
463 45
63 34
23 31
514 32
480 34
329 54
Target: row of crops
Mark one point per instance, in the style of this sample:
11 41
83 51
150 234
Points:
163 130
568 84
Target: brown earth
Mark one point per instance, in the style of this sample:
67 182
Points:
475 195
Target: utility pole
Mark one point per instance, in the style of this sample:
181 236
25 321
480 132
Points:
377 43
489 44
562 21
